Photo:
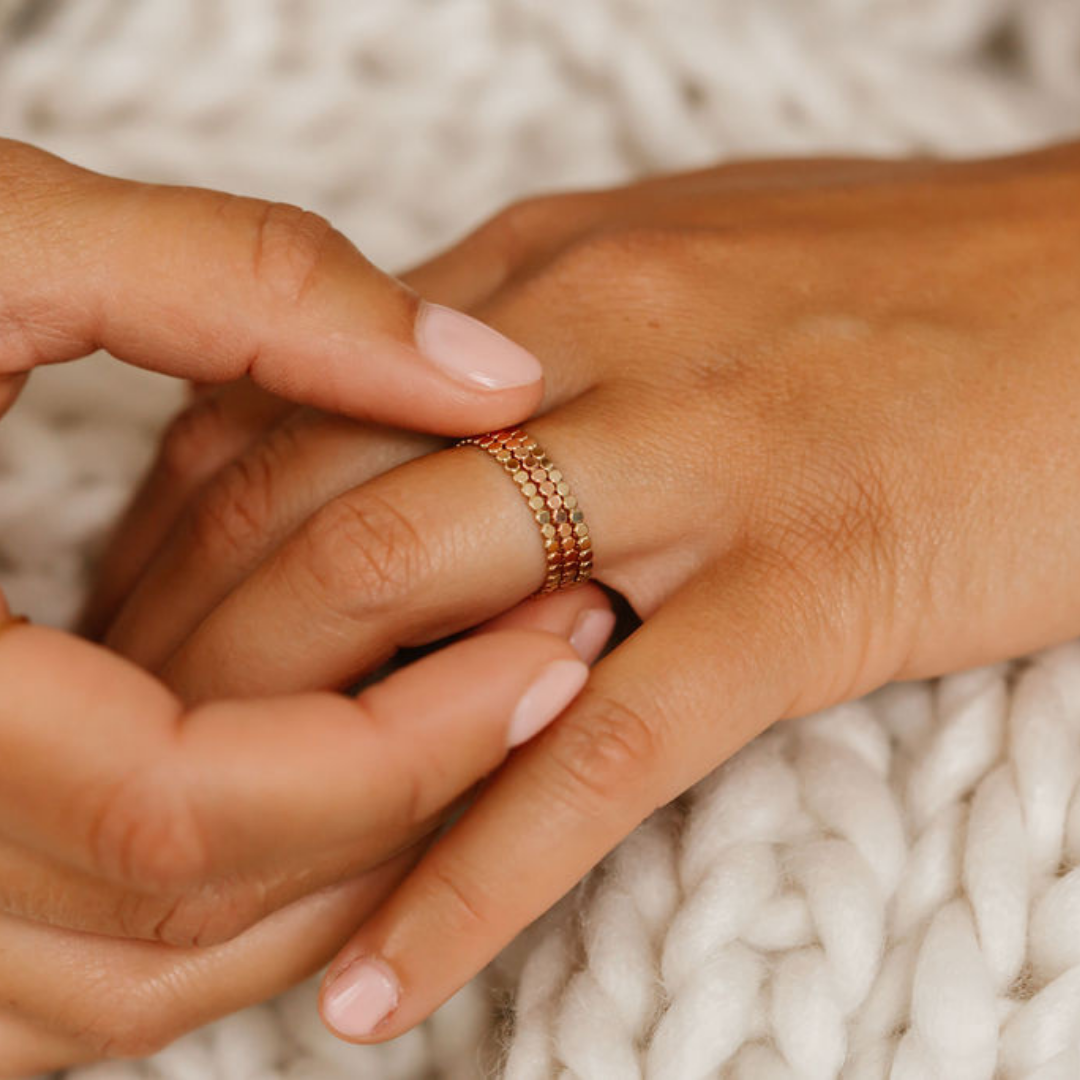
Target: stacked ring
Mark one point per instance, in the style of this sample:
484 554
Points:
567 544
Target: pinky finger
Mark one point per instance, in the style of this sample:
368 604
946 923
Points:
27 1049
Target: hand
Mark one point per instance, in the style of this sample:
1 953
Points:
212 287
227 851
161 867
821 419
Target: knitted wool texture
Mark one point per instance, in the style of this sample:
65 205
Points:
887 889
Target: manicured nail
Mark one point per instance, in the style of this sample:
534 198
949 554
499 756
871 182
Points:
556 686
471 351
361 998
591 631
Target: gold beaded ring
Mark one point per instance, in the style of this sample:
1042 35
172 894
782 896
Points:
567 544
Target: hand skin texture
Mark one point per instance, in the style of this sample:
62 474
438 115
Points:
162 865
823 418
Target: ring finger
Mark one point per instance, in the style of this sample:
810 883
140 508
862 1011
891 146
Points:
225 421
426 550
245 512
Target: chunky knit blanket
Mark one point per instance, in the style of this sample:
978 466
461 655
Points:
888 889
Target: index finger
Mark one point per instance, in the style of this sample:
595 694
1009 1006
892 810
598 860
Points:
102 769
211 287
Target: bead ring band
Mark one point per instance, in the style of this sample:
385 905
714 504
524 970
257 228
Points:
567 545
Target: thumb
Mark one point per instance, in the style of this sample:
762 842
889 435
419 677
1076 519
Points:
212 287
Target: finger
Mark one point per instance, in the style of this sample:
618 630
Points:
212 287
36 887
219 426
248 510
44 891
138 793
28 1049
583 616
462 277
243 515
399 562
645 730
115 998
514 241
40 889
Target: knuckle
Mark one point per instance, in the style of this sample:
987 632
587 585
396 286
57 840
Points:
457 895
233 514
211 914
362 554
534 213
29 334
523 234
517 228
289 248
138 915
187 447
144 833
629 267
125 1022
601 750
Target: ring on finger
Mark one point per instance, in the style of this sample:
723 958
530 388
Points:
567 545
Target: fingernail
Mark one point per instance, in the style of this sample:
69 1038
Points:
556 686
591 631
471 351
361 998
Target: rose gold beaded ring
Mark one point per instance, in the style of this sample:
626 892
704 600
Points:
567 545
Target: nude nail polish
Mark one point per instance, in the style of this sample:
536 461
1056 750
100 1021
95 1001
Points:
470 351
553 689
360 998
591 631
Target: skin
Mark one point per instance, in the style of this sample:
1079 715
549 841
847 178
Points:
822 419
162 864
754 377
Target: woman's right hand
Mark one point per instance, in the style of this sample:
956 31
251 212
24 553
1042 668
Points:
160 867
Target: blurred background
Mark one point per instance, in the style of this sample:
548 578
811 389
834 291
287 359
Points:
406 122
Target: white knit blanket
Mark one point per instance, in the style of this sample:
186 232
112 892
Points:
888 889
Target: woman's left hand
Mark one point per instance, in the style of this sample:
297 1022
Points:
820 417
